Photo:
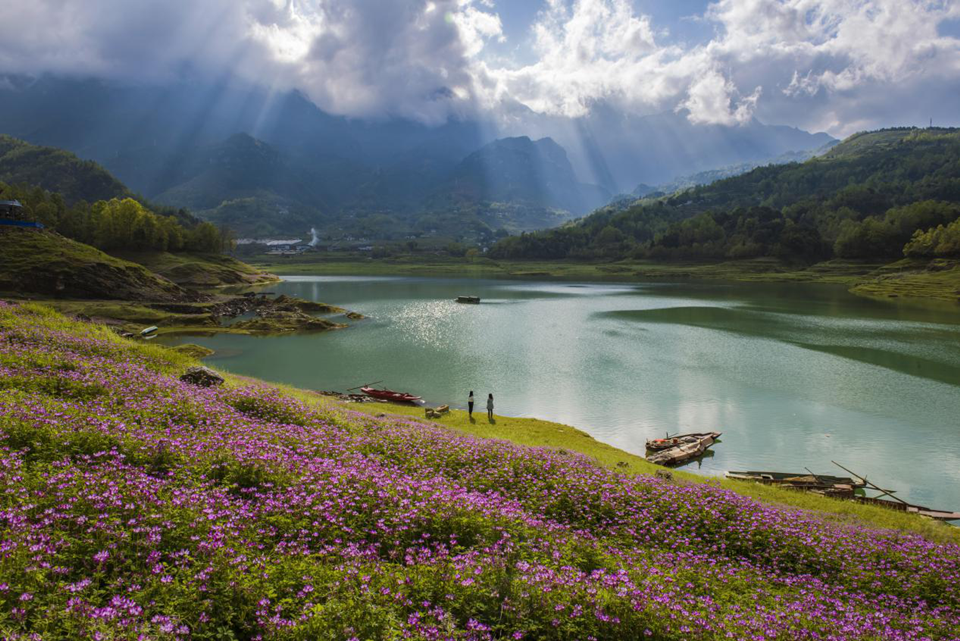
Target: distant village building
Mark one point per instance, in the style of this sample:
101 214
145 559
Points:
12 214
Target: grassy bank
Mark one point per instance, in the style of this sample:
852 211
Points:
538 433
937 279
203 321
200 271
135 505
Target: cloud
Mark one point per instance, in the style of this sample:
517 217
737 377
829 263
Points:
767 56
822 64
364 58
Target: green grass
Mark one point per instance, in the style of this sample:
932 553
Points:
45 263
200 270
938 279
538 433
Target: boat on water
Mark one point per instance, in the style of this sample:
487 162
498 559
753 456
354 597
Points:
390 395
796 479
657 444
838 487
682 452
939 515
841 487
473 300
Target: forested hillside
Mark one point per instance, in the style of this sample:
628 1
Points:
115 224
866 198
58 171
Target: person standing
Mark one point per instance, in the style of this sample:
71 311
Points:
490 407
470 405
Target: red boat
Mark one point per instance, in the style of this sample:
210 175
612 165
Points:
389 395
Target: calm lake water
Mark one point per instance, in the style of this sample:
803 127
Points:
794 376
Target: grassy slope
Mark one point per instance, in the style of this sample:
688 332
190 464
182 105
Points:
45 263
939 279
200 270
538 433
193 533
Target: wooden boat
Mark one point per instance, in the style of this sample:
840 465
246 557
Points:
939 515
474 300
684 452
796 479
390 395
657 444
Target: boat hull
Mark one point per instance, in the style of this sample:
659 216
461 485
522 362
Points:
657 444
389 395
685 452
796 479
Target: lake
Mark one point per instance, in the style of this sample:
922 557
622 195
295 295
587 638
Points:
793 375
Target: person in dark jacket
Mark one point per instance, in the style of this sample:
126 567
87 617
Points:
490 407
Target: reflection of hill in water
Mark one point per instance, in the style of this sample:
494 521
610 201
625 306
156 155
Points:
890 352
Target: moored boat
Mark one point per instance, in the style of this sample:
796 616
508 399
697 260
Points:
390 395
939 515
657 444
683 452
796 479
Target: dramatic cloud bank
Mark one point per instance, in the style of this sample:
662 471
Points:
821 64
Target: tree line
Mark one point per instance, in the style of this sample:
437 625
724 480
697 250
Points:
119 224
876 196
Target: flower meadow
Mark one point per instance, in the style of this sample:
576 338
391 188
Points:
134 506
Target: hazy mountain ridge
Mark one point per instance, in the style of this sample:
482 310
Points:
228 150
710 176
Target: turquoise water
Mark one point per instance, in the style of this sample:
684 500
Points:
794 376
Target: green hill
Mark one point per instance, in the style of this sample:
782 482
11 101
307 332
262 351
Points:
865 198
195 270
56 170
44 263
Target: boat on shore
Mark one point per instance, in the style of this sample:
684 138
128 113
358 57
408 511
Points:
657 444
390 395
682 452
472 300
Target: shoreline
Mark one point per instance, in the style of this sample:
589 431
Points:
539 433
535 433
906 280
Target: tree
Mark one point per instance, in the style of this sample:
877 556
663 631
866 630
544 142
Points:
204 238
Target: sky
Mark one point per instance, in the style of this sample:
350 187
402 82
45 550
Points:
838 66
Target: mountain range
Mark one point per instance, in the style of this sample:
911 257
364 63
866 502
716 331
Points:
864 198
274 163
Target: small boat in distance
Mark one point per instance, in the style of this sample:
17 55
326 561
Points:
657 444
682 452
474 300
390 395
